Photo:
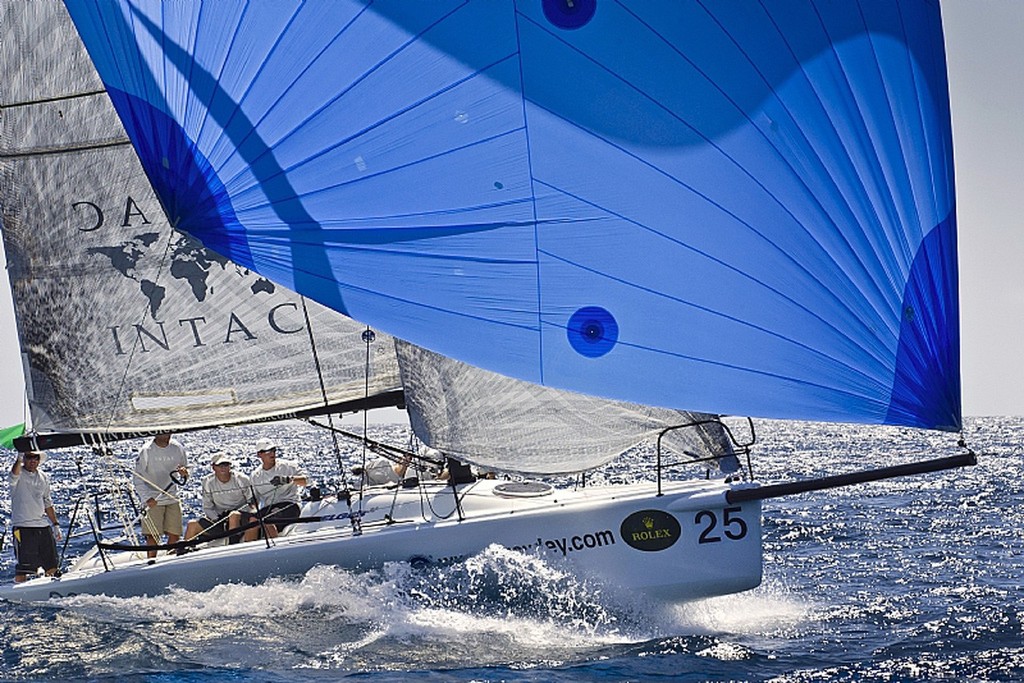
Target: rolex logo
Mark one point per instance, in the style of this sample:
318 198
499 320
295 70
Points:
650 530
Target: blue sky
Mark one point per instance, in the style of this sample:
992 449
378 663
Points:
986 59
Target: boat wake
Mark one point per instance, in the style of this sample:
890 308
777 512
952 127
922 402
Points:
499 607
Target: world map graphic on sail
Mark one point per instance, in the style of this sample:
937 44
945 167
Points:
188 261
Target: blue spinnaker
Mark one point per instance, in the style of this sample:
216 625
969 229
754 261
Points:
731 207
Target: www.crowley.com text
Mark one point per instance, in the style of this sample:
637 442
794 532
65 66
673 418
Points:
568 544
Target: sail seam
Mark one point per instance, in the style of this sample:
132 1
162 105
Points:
755 371
48 100
871 161
652 230
533 199
846 205
46 151
208 103
340 95
724 316
740 167
825 252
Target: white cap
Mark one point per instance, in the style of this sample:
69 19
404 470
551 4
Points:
221 458
41 454
265 444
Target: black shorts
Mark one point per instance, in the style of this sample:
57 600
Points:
271 513
246 517
206 523
34 547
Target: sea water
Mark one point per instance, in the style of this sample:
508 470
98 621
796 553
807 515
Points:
914 579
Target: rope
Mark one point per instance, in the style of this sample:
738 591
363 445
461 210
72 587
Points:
320 378
277 521
393 453
120 507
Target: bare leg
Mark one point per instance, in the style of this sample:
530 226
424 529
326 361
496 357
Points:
150 540
234 521
193 529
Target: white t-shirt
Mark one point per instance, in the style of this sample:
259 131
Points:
267 493
221 497
153 472
381 471
30 496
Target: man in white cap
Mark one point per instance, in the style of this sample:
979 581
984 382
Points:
33 517
227 498
276 483
160 463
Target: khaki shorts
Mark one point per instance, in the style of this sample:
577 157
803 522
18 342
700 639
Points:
162 519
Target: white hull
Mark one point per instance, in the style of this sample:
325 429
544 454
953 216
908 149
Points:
686 544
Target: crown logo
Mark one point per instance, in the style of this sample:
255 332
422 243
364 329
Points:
648 522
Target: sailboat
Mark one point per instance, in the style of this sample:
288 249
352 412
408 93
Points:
563 226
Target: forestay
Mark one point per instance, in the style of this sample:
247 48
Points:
732 207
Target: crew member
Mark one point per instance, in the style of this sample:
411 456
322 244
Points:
33 517
158 460
276 483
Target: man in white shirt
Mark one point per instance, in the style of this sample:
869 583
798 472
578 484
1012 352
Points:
226 500
32 515
158 460
277 485
383 471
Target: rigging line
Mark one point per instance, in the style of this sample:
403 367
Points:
138 337
120 508
323 387
163 489
381 448
368 337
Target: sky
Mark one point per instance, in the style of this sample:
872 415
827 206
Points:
985 56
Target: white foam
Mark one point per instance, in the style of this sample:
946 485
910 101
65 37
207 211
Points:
499 600
321 587
768 609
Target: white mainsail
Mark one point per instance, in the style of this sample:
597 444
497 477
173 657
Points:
126 323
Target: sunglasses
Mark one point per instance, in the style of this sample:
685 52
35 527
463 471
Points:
31 457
